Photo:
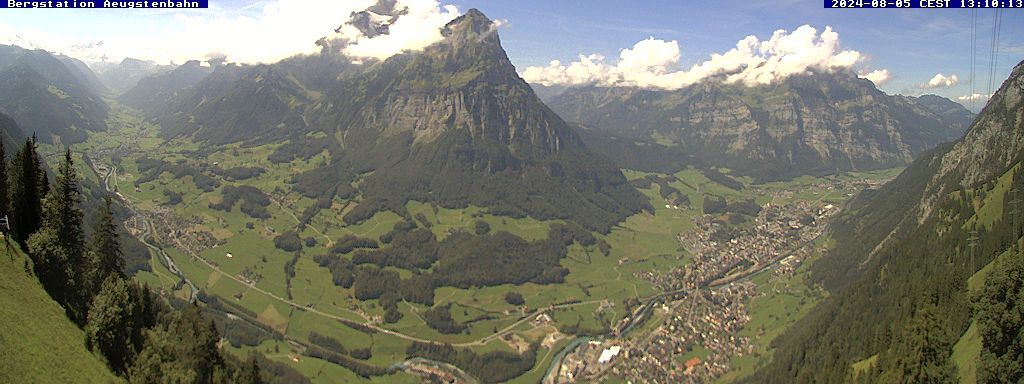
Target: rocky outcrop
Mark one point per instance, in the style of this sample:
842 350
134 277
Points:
815 123
456 125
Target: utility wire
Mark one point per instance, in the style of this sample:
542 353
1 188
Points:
994 56
974 55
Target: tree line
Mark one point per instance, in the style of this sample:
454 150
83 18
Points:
462 260
141 338
918 272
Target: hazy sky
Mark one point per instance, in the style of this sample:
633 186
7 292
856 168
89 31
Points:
905 48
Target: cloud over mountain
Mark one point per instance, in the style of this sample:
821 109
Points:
401 25
941 81
974 97
653 63
878 76
265 33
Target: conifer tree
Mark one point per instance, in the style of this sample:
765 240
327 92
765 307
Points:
63 209
60 246
105 246
1000 320
111 324
250 371
920 352
25 193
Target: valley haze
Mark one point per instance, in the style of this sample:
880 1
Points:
314 191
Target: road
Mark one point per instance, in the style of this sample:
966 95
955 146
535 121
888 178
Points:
149 230
638 316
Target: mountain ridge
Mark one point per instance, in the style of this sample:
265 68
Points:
460 127
812 124
47 97
911 246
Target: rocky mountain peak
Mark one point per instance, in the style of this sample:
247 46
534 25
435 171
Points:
472 29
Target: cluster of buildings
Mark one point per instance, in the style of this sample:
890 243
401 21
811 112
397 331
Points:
589 361
720 251
698 340
180 232
701 334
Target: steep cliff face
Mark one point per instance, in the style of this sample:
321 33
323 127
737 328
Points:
816 123
994 143
910 247
455 125
465 82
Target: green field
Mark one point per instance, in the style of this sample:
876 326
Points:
246 269
781 301
39 344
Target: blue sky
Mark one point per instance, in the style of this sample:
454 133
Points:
913 45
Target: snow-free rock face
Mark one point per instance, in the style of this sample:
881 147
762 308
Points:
805 124
465 82
456 125
452 124
994 142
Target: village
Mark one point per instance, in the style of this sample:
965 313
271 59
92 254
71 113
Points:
706 301
720 251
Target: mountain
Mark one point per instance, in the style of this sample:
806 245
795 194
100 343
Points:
910 248
83 74
47 97
261 103
453 124
10 134
238 103
546 93
954 114
152 94
811 124
123 76
456 125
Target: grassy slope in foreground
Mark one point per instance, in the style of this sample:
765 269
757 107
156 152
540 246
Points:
37 341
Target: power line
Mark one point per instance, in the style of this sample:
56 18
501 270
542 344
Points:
1015 212
995 52
973 243
974 53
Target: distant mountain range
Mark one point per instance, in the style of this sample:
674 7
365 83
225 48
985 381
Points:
818 123
53 97
156 93
124 75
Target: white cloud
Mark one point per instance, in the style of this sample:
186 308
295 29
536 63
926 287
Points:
941 81
418 27
878 76
974 97
280 29
652 63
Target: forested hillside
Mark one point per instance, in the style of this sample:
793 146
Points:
126 325
47 97
903 257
